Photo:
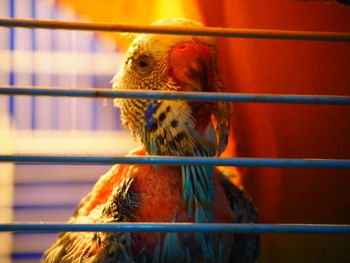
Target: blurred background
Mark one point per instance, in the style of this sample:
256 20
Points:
73 59
66 59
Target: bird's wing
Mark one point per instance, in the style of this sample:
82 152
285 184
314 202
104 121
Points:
246 247
98 246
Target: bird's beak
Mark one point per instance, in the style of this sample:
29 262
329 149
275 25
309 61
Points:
190 65
194 76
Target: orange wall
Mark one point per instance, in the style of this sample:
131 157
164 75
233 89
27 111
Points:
131 11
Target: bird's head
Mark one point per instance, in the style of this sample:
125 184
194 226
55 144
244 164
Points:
169 62
172 63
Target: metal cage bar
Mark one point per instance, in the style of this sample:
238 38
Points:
179 227
157 29
167 95
171 160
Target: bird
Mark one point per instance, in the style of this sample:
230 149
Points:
161 193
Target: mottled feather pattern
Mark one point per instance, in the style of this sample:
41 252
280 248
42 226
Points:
74 247
170 130
246 247
221 119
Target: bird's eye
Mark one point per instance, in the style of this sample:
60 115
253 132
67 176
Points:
144 64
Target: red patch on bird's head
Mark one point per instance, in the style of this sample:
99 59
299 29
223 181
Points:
191 65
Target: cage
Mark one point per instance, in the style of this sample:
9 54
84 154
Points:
73 59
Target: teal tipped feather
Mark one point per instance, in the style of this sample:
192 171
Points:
172 251
156 254
220 250
188 256
207 248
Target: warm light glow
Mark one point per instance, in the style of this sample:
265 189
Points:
132 11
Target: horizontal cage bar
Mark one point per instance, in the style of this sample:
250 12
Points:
26 255
44 207
174 30
167 95
177 227
171 160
